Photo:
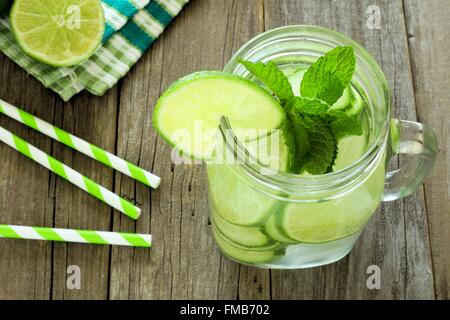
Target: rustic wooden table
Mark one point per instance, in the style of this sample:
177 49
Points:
408 239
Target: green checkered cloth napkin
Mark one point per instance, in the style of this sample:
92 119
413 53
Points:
118 12
120 51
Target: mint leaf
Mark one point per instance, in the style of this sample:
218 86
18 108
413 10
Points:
330 88
295 129
312 129
343 124
272 77
322 147
296 140
308 137
333 161
327 78
307 105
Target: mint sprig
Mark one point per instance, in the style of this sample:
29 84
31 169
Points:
272 77
302 129
327 78
342 124
296 139
312 130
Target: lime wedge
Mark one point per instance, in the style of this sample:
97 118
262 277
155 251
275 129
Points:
59 33
187 115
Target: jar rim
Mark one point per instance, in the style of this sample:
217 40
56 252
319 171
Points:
338 178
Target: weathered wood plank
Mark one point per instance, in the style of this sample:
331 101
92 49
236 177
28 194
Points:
184 262
429 41
93 119
39 268
399 230
26 191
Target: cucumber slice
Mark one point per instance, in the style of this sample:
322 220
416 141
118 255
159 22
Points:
244 236
350 148
344 102
236 200
350 102
272 229
187 115
357 104
270 150
247 255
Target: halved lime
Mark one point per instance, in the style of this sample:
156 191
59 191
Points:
59 33
187 115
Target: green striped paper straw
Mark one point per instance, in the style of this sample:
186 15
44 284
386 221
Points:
80 145
69 174
78 236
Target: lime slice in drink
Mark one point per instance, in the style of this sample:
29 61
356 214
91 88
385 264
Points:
5 5
59 33
187 115
323 222
336 218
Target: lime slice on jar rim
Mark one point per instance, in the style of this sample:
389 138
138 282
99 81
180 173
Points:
188 114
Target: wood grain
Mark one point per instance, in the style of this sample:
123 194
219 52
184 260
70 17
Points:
26 191
186 264
408 239
429 41
396 239
92 119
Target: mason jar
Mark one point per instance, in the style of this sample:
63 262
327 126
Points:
269 218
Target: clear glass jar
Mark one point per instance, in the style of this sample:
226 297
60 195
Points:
264 217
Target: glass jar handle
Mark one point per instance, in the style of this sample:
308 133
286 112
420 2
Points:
419 142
